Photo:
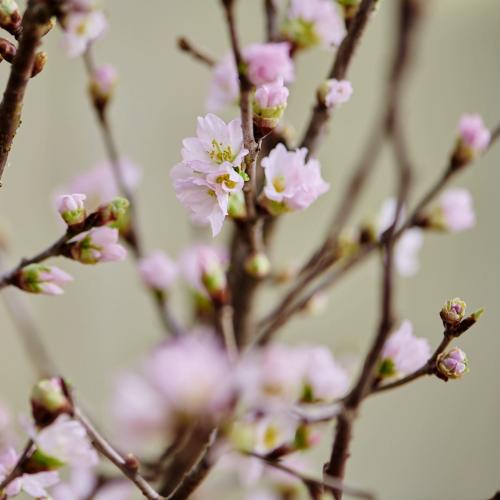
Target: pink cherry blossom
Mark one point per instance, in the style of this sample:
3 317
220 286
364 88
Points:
216 142
99 184
200 260
473 133
337 92
328 25
67 441
33 484
82 28
193 375
205 206
457 209
157 270
266 62
291 181
407 248
103 81
323 376
406 352
272 95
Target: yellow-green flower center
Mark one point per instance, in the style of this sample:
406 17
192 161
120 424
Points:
219 153
226 180
279 183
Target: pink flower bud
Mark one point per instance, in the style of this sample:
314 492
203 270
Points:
103 83
457 210
473 133
98 245
72 208
39 278
158 271
272 95
453 364
334 92
453 312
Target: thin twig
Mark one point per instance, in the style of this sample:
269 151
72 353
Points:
186 46
106 449
17 470
272 28
36 16
133 237
314 486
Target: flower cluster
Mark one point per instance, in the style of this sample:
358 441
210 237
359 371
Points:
266 63
210 171
100 244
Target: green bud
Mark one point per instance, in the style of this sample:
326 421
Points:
258 265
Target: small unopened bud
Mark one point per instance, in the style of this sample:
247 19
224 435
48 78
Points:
39 278
452 313
473 139
49 399
305 437
316 304
237 208
269 104
258 265
131 462
452 364
39 64
7 50
215 282
72 208
10 16
102 85
334 92
100 244
113 211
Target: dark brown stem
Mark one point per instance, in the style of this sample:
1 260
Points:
186 46
33 29
17 470
133 237
107 450
321 114
272 28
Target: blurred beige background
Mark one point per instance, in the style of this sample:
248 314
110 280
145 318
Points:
430 441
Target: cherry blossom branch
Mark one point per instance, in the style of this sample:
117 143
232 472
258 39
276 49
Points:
314 486
128 466
36 16
321 113
186 46
133 237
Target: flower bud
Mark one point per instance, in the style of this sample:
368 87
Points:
39 278
157 271
452 313
453 364
102 85
454 213
7 50
473 139
258 265
215 282
113 211
72 208
97 245
269 103
333 92
10 16
49 399
39 64
237 208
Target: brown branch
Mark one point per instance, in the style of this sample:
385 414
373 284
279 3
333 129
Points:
186 46
272 28
106 449
314 486
321 114
133 237
36 16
